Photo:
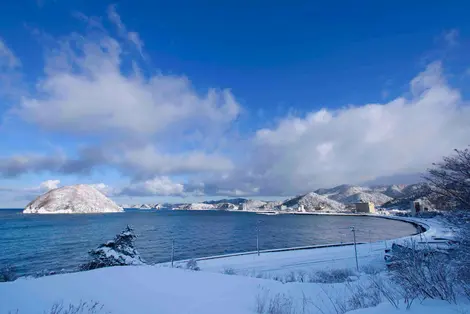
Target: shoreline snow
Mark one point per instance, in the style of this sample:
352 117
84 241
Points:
331 256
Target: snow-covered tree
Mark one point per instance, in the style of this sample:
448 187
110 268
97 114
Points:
450 178
118 252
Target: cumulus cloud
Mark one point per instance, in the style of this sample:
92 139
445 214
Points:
360 143
151 126
30 163
86 91
161 186
147 162
29 193
49 185
137 120
136 163
104 188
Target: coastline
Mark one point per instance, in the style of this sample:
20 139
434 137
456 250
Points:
334 255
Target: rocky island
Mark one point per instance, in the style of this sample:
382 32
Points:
73 199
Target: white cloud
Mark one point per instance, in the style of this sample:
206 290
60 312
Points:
85 90
48 185
357 144
137 119
7 57
150 126
451 37
133 37
147 161
104 188
161 186
10 76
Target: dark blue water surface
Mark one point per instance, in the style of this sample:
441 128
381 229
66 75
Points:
35 243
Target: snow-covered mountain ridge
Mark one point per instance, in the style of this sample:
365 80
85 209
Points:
334 199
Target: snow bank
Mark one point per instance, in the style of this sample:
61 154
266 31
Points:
147 289
137 289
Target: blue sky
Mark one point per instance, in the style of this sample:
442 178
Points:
154 101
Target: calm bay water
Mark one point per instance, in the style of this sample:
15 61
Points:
34 243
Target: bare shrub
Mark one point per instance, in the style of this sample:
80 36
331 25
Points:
371 269
301 276
332 276
7 273
280 304
192 265
260 275
337 303
229 271
82 307
278 278
391 292
423 272
450 178
290 277
261 300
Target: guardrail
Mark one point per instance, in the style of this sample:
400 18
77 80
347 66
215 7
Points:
309 247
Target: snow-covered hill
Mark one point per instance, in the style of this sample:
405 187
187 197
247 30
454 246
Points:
348 194
313 201
330 199
195 206
235 201
394 191
73 199
375 197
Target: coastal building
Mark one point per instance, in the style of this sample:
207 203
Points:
365 207
418 206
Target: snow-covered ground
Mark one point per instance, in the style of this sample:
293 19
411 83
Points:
161 289
148 289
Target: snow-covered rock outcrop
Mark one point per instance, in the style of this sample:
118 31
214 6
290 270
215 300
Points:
73 199
375 197
394 191
196 206
313 201
349 194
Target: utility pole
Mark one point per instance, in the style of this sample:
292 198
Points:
172 251
257 236
355 247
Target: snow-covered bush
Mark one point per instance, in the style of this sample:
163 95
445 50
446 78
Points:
372 269
7 273
424 273
91 307
118 252
363 296
192 265
332 275
229 271
278 304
